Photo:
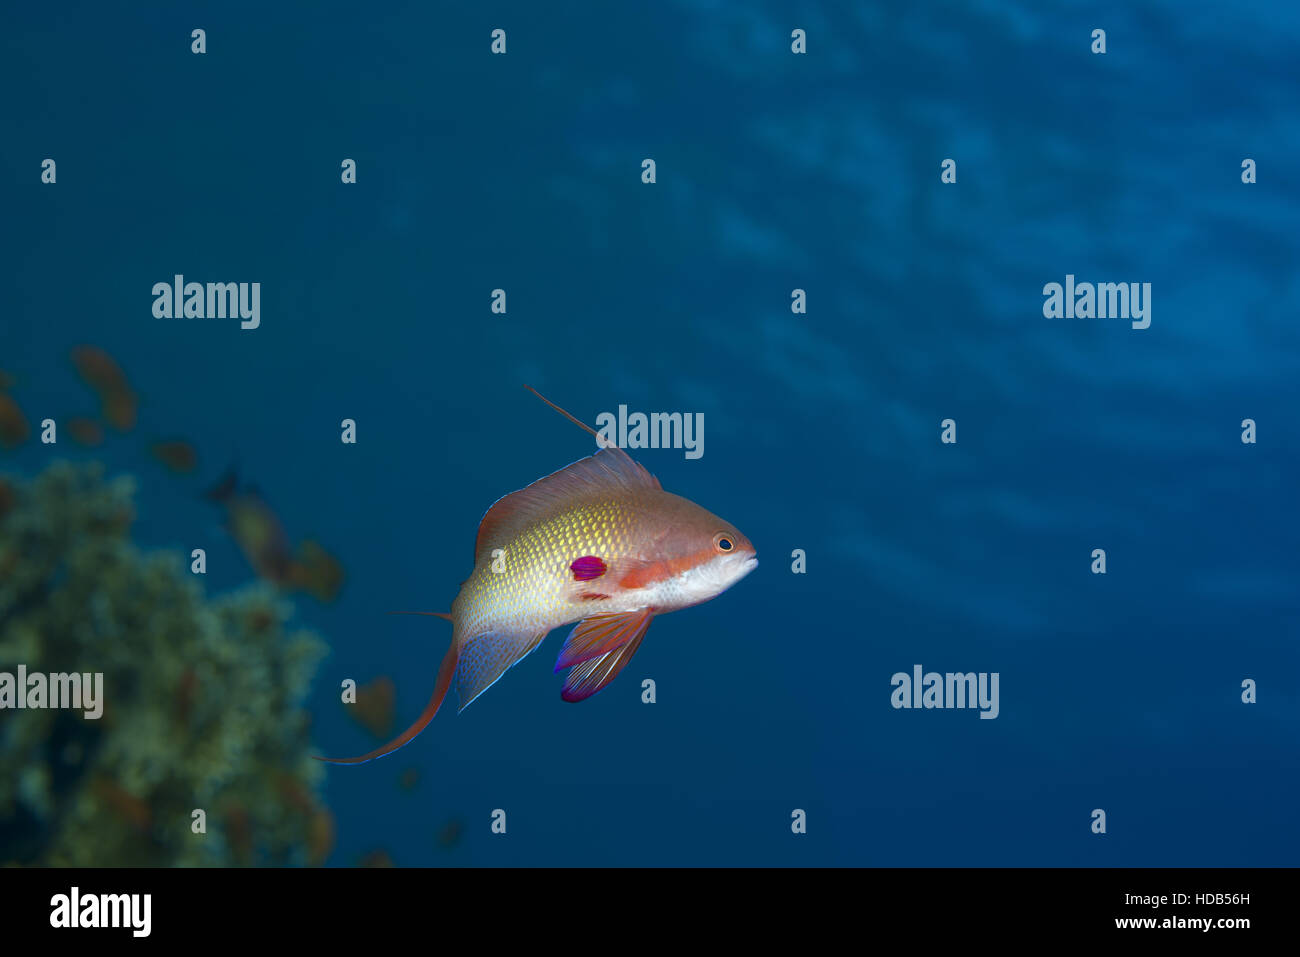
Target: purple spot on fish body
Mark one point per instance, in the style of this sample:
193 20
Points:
586 568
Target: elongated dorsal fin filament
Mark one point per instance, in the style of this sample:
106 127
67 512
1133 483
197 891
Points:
572 418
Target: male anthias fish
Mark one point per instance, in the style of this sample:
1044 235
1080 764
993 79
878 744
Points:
599 543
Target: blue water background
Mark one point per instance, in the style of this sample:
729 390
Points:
775 172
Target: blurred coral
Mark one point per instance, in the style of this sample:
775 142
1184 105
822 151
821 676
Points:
203 698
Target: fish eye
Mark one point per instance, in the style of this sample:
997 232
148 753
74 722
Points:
724 542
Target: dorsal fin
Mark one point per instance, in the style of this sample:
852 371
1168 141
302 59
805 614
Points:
609 470
568 415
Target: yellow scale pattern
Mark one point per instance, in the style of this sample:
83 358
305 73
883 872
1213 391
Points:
536 590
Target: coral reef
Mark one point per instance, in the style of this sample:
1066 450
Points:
203 697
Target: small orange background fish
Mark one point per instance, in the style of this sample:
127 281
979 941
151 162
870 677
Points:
85 431
13 424
177 454
599 543
102 373
255 528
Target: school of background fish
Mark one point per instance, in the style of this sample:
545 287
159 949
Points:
74 590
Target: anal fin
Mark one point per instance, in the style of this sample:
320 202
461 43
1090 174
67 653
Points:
486 657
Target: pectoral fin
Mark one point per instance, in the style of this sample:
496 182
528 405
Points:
601 634
589 677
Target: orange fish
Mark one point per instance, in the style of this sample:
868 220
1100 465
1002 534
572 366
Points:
255 528
409 779
125 805
295 793
119 410
373 709
451 833
187 691
13 424
85 431
239 833
99 371
599 543
316 572
177 454
320 837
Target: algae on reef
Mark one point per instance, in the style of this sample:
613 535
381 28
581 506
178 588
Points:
203 698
